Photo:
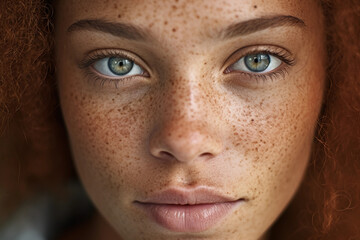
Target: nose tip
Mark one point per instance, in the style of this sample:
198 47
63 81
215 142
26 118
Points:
184 144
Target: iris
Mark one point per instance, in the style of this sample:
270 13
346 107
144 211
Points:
120 66
257 62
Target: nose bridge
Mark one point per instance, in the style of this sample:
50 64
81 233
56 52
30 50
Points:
183 131
185 107
184 99
183 83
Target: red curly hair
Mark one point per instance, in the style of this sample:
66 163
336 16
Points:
34 147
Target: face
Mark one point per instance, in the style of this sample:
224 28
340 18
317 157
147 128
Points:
190 120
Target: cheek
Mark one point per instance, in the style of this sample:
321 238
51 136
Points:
270 137
273 132
106 141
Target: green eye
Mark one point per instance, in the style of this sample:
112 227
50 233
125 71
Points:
120 66
117 67
257 62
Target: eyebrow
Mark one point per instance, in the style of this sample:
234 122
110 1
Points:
131 32
258 24
122 30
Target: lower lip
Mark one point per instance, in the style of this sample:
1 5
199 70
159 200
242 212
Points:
188 218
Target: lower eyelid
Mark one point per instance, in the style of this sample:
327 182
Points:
114 78
96 79
269 76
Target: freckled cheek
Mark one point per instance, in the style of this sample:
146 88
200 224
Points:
281 122
107 140
273 139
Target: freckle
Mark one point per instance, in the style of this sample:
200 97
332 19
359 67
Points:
165 22
255 6
119 16
174 29
115 6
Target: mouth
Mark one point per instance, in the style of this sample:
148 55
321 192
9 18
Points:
182 210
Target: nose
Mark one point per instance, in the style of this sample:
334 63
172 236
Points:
184 142
185 130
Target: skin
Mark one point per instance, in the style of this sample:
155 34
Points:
187 122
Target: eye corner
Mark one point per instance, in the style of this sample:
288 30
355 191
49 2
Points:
227 70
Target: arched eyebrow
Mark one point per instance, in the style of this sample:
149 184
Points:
131 32
258 24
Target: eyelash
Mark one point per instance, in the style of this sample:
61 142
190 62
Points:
282 54
107 53
97 55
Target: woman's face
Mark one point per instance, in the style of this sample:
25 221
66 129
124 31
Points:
190 119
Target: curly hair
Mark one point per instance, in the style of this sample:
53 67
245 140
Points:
34 147
33 152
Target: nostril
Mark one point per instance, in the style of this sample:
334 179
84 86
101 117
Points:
205 155
169 156
166 155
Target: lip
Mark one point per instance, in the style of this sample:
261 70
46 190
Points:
188 210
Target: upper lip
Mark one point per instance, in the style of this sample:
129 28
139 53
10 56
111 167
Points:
188 197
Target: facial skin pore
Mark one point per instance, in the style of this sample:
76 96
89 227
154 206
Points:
188 120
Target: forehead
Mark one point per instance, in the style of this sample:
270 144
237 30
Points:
176 15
